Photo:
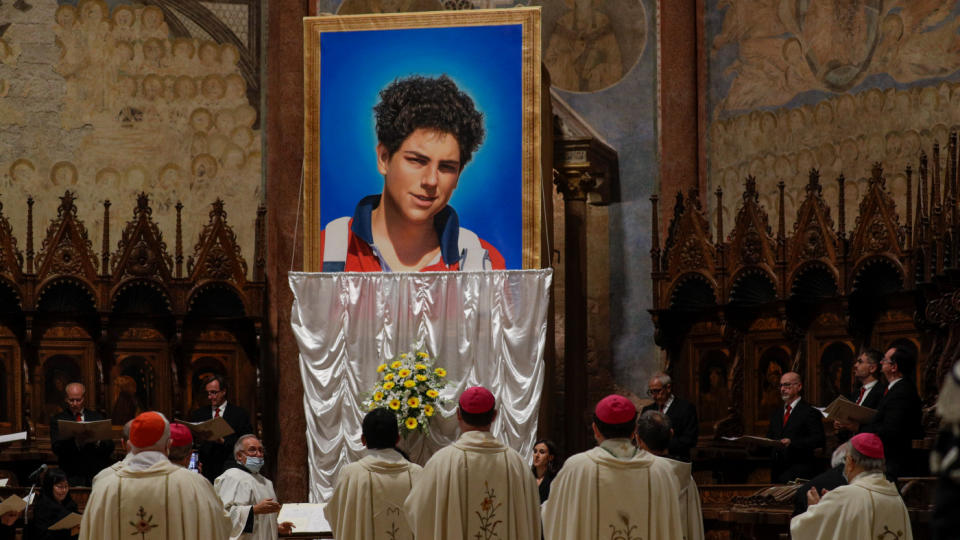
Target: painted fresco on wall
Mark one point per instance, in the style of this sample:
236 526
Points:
830 84
590 45
114 99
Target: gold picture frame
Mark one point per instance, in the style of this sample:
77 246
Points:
324 34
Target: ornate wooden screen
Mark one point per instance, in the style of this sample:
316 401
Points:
129 323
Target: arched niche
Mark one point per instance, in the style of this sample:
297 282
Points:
835 371
66 354
59 370
771 365
133 388
140 373
713 378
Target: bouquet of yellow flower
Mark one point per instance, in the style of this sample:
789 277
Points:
410 388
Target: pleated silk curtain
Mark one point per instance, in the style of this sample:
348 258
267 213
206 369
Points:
486 328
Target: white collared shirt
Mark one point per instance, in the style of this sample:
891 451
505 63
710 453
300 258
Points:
793 405
667 404
867 388
221 408
893 382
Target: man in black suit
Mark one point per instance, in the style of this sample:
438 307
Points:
214 454
867 371
799 428
80 459
682 415
899 413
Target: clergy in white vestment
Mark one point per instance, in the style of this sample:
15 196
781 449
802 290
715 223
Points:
367 502
615 490
653 435
125 444
248 496
868 507
150 498
476 487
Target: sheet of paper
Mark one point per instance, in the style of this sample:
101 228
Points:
12 504
210 430
98 430
3 482
70 521
22 436
844 410
306 517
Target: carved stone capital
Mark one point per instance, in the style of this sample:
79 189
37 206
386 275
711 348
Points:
576 184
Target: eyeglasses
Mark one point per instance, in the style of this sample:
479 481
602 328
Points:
788 384
214 392
655 391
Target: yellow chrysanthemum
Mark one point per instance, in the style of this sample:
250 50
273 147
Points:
413 402
395 404
378 396
440 372
403 373
411 423
420 366
381 368
372 406
421 378
396 364
422 354
388 377
432 393
428 409
409 384
404 355
388 385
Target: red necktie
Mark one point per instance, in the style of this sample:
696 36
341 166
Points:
79 417
216 412
786 415
860 397
885 390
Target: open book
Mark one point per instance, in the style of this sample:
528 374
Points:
97 430
69 521
209 430
844 410
12 504
754 440
306 518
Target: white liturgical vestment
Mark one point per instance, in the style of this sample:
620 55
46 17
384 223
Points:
613 491
240 490
691 515
161 501
367 502
475 488
868 507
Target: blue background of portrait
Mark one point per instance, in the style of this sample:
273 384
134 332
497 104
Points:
355 66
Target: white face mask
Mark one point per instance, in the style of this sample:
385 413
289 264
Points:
254 464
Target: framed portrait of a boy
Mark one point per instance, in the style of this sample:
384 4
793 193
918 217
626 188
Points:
422 141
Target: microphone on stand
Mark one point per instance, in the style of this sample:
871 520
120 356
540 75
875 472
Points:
36 474
33 478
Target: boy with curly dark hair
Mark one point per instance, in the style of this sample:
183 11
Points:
427 131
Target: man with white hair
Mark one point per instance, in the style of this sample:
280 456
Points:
682 415
868 507
248 496
150 498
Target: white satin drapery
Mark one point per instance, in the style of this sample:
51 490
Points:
486 328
